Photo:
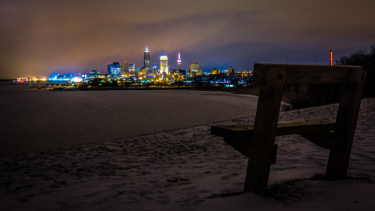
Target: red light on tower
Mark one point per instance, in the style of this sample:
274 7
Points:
330 58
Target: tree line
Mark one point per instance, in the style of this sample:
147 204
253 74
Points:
366 59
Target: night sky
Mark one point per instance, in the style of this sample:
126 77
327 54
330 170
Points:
41 37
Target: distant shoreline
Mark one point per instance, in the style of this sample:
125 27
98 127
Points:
235 90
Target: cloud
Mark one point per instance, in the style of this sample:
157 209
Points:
42 36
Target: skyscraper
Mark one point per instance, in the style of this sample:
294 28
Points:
164 64
132 68
125 68
179 65
114 70
194 67
147 59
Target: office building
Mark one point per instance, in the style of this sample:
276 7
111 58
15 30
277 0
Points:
94 73
125 68
114 70
230 70
132 68
215 71
193 68
147 59
164 64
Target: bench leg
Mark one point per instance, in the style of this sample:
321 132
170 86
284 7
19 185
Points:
346 122
258 169
263 139
257 175
338 161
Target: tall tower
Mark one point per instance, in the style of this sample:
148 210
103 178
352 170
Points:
125 68
164 64
147 59
330 58
179 65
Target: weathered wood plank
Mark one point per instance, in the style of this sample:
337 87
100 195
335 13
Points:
245 131
233 131
346 122
243 145
325 139
263 138
307 74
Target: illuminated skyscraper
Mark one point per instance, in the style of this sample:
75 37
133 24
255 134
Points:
147 59
179 65
164 64
114 70
125 68
194 67
132 68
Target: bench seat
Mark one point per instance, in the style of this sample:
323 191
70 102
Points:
283 128
319 132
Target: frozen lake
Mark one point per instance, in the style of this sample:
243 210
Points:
35 120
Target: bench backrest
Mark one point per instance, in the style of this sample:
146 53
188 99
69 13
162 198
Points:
271 79
310 74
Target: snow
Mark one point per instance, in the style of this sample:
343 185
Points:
184 167
35 120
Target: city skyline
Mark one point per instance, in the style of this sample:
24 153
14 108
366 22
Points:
42 37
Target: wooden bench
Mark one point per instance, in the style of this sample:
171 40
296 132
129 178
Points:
257 141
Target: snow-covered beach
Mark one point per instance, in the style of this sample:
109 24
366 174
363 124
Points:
35 120
182 166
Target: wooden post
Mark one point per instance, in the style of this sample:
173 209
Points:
345 126
263 138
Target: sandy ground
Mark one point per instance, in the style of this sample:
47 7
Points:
189 169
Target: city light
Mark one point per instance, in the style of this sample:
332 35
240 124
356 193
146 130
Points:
127 75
